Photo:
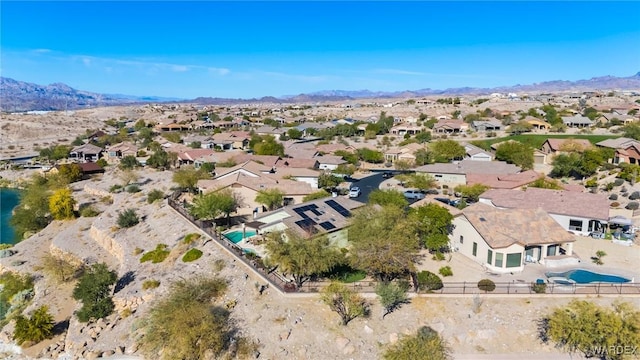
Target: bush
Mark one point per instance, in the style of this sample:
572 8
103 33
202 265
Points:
446 271
190 238
94 290
156 256
192 255
539 288
150 284
633 205
12 286
634 195
36 328
132 189
59 269
439 256
115 188
428 281
88 211
613 197
486 285
127 218
155 195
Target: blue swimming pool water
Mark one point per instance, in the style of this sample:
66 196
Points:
585 277
236 236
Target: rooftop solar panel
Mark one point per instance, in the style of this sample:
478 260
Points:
327 225
339 208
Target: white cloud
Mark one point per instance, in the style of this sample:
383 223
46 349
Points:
218 71
179 68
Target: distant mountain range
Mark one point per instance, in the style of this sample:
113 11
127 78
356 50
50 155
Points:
16 96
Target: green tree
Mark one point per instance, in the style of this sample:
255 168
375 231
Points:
520 127
433 225
188 324
61 204
211 205
327 181
631 130
139 125
129 162
322 193
187 177
268 146
32 213
423 157
423 137
388 197
36 328
160 159
516 153
447 150
471 192
94 290
426 344
402 165
294 133
590 162
300 257
392 295
592 330
344 301
70 172
195 144
348 156
420 181
384 242
565 165
271 198
370 155
347 169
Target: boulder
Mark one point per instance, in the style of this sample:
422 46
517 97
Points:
342 342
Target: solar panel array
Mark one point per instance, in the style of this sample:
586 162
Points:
307 225
339 208
303 209
327 225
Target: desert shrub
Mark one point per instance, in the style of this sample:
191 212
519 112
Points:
633 205
539 288
192 255
88 211
592 182
428 281
615 204
107 200
94 290
137 251
634 195
439 256
446 271
156 256
218 265
618 182
150 284
60 269
486 285
154 195
132 189
115 188
190 238
15 289
35 328
613 197
102 163
127 218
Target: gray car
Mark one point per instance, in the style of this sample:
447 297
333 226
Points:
414 194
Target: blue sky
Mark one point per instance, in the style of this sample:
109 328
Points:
253 49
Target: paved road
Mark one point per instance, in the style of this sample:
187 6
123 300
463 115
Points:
370 183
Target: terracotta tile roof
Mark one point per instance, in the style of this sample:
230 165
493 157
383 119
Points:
266 160
332 148
248 166
501 228
556 144
431 199
294 171
192 155
331 160
561 202
87 149
297 163
288 187
507 181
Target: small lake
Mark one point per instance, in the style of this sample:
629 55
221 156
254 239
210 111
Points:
9 198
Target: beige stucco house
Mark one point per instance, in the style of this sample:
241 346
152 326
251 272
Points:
505 240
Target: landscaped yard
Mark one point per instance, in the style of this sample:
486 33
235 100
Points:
536 140
346 274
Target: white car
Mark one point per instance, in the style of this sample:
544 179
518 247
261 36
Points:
414 194
354 192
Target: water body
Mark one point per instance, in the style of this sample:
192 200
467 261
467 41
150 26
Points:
9 198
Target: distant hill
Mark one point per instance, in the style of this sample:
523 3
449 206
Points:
22 96
16 96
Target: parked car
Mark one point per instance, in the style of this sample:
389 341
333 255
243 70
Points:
387 175
414 194
450 202
354 192
431 192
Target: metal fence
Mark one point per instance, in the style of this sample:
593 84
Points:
450 288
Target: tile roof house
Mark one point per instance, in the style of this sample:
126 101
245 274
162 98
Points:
505 240
537 123
450 126
578 212
329 162
475 153
118 151
456 173
506 181
626 149
486 125
554 146
328 216
404 153
576 121
86 152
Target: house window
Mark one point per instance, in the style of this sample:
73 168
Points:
514 260
489 256
575 225
287 201
475 249
461 239
499 259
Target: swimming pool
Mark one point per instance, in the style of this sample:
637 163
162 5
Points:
581 276
236 236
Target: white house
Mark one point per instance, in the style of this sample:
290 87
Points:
504 240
